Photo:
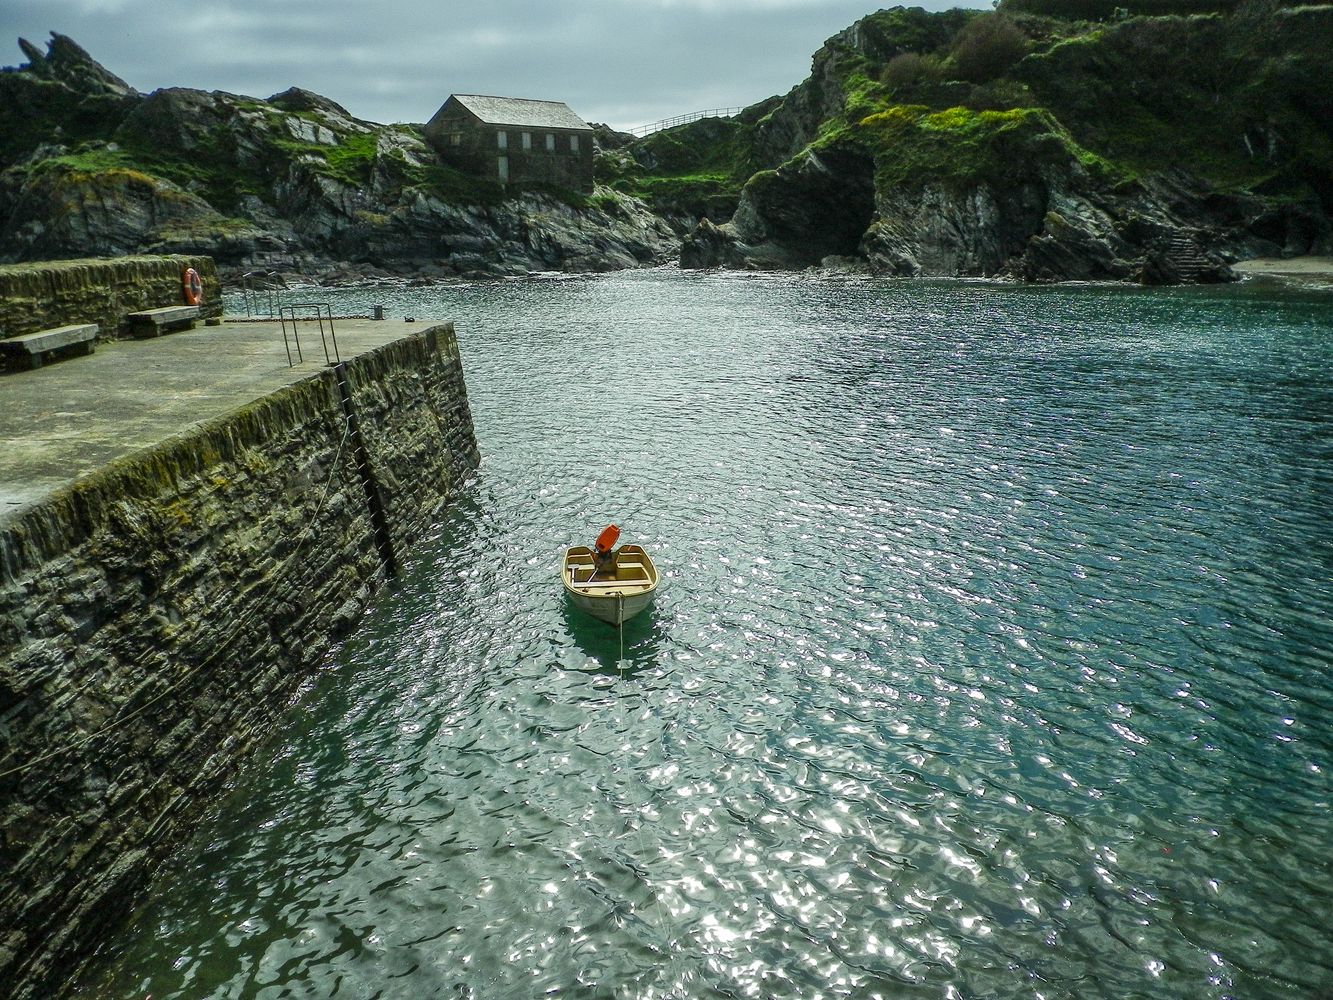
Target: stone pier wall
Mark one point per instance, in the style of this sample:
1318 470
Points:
43 295
156 617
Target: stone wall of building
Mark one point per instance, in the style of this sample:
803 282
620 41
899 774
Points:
39 296
559 156
156 616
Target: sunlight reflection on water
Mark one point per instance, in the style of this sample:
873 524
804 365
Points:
991 660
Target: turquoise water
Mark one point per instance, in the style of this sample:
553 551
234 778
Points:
992 659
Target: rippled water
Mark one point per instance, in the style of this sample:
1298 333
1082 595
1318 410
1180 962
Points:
992 660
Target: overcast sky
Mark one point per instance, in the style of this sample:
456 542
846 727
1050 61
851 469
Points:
623 62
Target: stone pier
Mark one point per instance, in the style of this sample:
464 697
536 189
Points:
187 524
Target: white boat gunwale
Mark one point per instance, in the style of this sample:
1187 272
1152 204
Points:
612 599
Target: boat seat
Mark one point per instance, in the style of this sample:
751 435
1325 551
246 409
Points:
640 577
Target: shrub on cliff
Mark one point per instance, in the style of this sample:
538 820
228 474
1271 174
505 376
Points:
987 47
1242 100
881 36
1101 10
907 69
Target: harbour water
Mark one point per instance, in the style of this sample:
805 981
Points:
992 659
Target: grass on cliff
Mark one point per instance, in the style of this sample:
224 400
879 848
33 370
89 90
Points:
1240 99
352 160
696 168
961 147
34 112
210 171
89 161
224 183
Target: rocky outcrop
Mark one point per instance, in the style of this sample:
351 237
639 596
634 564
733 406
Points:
67 63
1051 221
872 41
816 206
532 232
1115 152
937 230
66 212
1090 161
242 179
1048 221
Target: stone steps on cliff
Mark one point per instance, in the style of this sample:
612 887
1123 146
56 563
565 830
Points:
1186 257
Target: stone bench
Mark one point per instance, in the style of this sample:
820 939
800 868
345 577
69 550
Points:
35 347
152 322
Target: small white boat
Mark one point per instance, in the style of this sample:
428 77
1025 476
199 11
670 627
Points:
611 585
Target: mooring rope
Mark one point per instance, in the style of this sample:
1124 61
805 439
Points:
236 631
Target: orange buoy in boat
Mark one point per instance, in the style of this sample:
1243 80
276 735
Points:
607 539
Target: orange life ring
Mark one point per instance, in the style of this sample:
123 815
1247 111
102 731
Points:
192 286
607 539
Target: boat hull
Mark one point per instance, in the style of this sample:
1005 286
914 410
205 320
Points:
611 610
613 598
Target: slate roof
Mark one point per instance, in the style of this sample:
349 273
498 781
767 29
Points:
521 112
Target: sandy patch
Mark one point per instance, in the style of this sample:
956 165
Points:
1315 270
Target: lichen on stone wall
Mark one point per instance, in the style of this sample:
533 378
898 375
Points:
40 296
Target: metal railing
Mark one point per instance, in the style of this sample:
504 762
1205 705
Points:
693 116
266 292
319 312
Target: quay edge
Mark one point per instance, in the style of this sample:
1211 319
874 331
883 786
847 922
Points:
157 615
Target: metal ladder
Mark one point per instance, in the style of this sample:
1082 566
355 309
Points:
320 312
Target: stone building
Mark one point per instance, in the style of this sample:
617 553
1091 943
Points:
513 140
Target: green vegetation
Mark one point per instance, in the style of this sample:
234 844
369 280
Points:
36 112
1236 93
961 147
227 151
352 160
1240 99
450 186
90 161
1099 10
988 46
697 168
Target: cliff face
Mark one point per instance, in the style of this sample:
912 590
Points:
1150 149
90 167
1035 146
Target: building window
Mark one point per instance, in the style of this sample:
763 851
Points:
527 140
550 143
502 138
503 169
573 144
455 138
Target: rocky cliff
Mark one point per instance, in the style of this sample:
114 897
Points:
1156 149
1047 140
91 167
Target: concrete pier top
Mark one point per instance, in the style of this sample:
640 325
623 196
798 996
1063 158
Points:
67 419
